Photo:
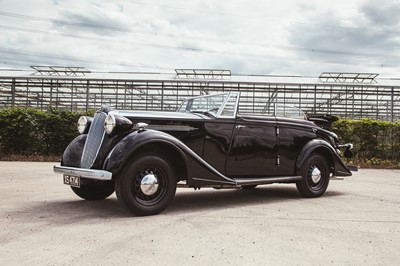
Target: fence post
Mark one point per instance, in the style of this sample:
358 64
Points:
392 105
162 96
87 96
13 93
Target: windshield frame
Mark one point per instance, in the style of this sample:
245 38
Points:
220 112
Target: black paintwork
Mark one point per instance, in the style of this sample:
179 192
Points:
323 120
254 147
215 151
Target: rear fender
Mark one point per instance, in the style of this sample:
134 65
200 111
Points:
337 166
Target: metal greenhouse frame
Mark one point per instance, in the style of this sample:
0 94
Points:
349 95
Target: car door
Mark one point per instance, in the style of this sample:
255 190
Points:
217 142
218 133
254 147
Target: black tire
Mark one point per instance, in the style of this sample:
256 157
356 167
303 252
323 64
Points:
94 190
309 186
129 190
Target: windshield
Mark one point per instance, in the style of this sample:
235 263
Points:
212 105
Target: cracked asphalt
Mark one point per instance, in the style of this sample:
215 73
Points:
357 222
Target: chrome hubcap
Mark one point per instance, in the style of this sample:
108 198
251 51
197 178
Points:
316 175
149 184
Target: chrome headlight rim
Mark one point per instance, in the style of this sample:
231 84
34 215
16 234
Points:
83 124
109 124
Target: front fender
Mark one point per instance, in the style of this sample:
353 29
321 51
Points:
73 153
323 147
199 172
126 148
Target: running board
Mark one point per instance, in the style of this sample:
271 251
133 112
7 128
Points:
239 182
265 180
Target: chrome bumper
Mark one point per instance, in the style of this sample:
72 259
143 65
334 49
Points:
347 152
84 173
347 146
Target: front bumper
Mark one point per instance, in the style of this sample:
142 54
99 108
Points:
84 173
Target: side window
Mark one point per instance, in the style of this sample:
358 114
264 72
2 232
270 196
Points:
230 106
289 111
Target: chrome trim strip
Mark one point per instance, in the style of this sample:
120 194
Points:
347 145
172 128
266 180
84 173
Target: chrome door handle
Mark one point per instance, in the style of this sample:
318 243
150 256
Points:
239 126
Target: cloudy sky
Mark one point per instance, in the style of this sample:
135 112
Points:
286 37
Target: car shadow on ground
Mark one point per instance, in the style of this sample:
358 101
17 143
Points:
186 201
189 201
69 211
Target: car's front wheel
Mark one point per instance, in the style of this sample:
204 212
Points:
94 190
315 177
147 185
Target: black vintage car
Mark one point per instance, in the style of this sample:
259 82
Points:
143 155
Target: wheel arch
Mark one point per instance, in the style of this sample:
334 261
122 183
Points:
146 142
166 150
318 147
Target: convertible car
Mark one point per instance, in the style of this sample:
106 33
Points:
143 156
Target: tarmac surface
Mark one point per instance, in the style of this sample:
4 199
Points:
356 222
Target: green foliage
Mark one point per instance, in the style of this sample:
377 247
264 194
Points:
376 143
27 131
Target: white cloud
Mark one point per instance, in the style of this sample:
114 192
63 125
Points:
252 37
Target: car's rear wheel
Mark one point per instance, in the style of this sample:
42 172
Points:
147 185
94 190
315 177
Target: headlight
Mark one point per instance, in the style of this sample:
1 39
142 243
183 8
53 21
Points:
109 124
84 123
116 124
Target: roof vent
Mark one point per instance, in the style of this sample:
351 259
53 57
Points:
59 71
202 74
348 77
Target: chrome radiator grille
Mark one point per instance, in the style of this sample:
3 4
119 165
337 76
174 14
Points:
94 140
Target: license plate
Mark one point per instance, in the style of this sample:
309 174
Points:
73 181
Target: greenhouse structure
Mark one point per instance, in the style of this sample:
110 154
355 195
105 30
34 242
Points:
348 95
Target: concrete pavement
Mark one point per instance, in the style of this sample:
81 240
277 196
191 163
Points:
357 222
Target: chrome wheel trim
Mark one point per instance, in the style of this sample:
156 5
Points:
149 184
316 174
